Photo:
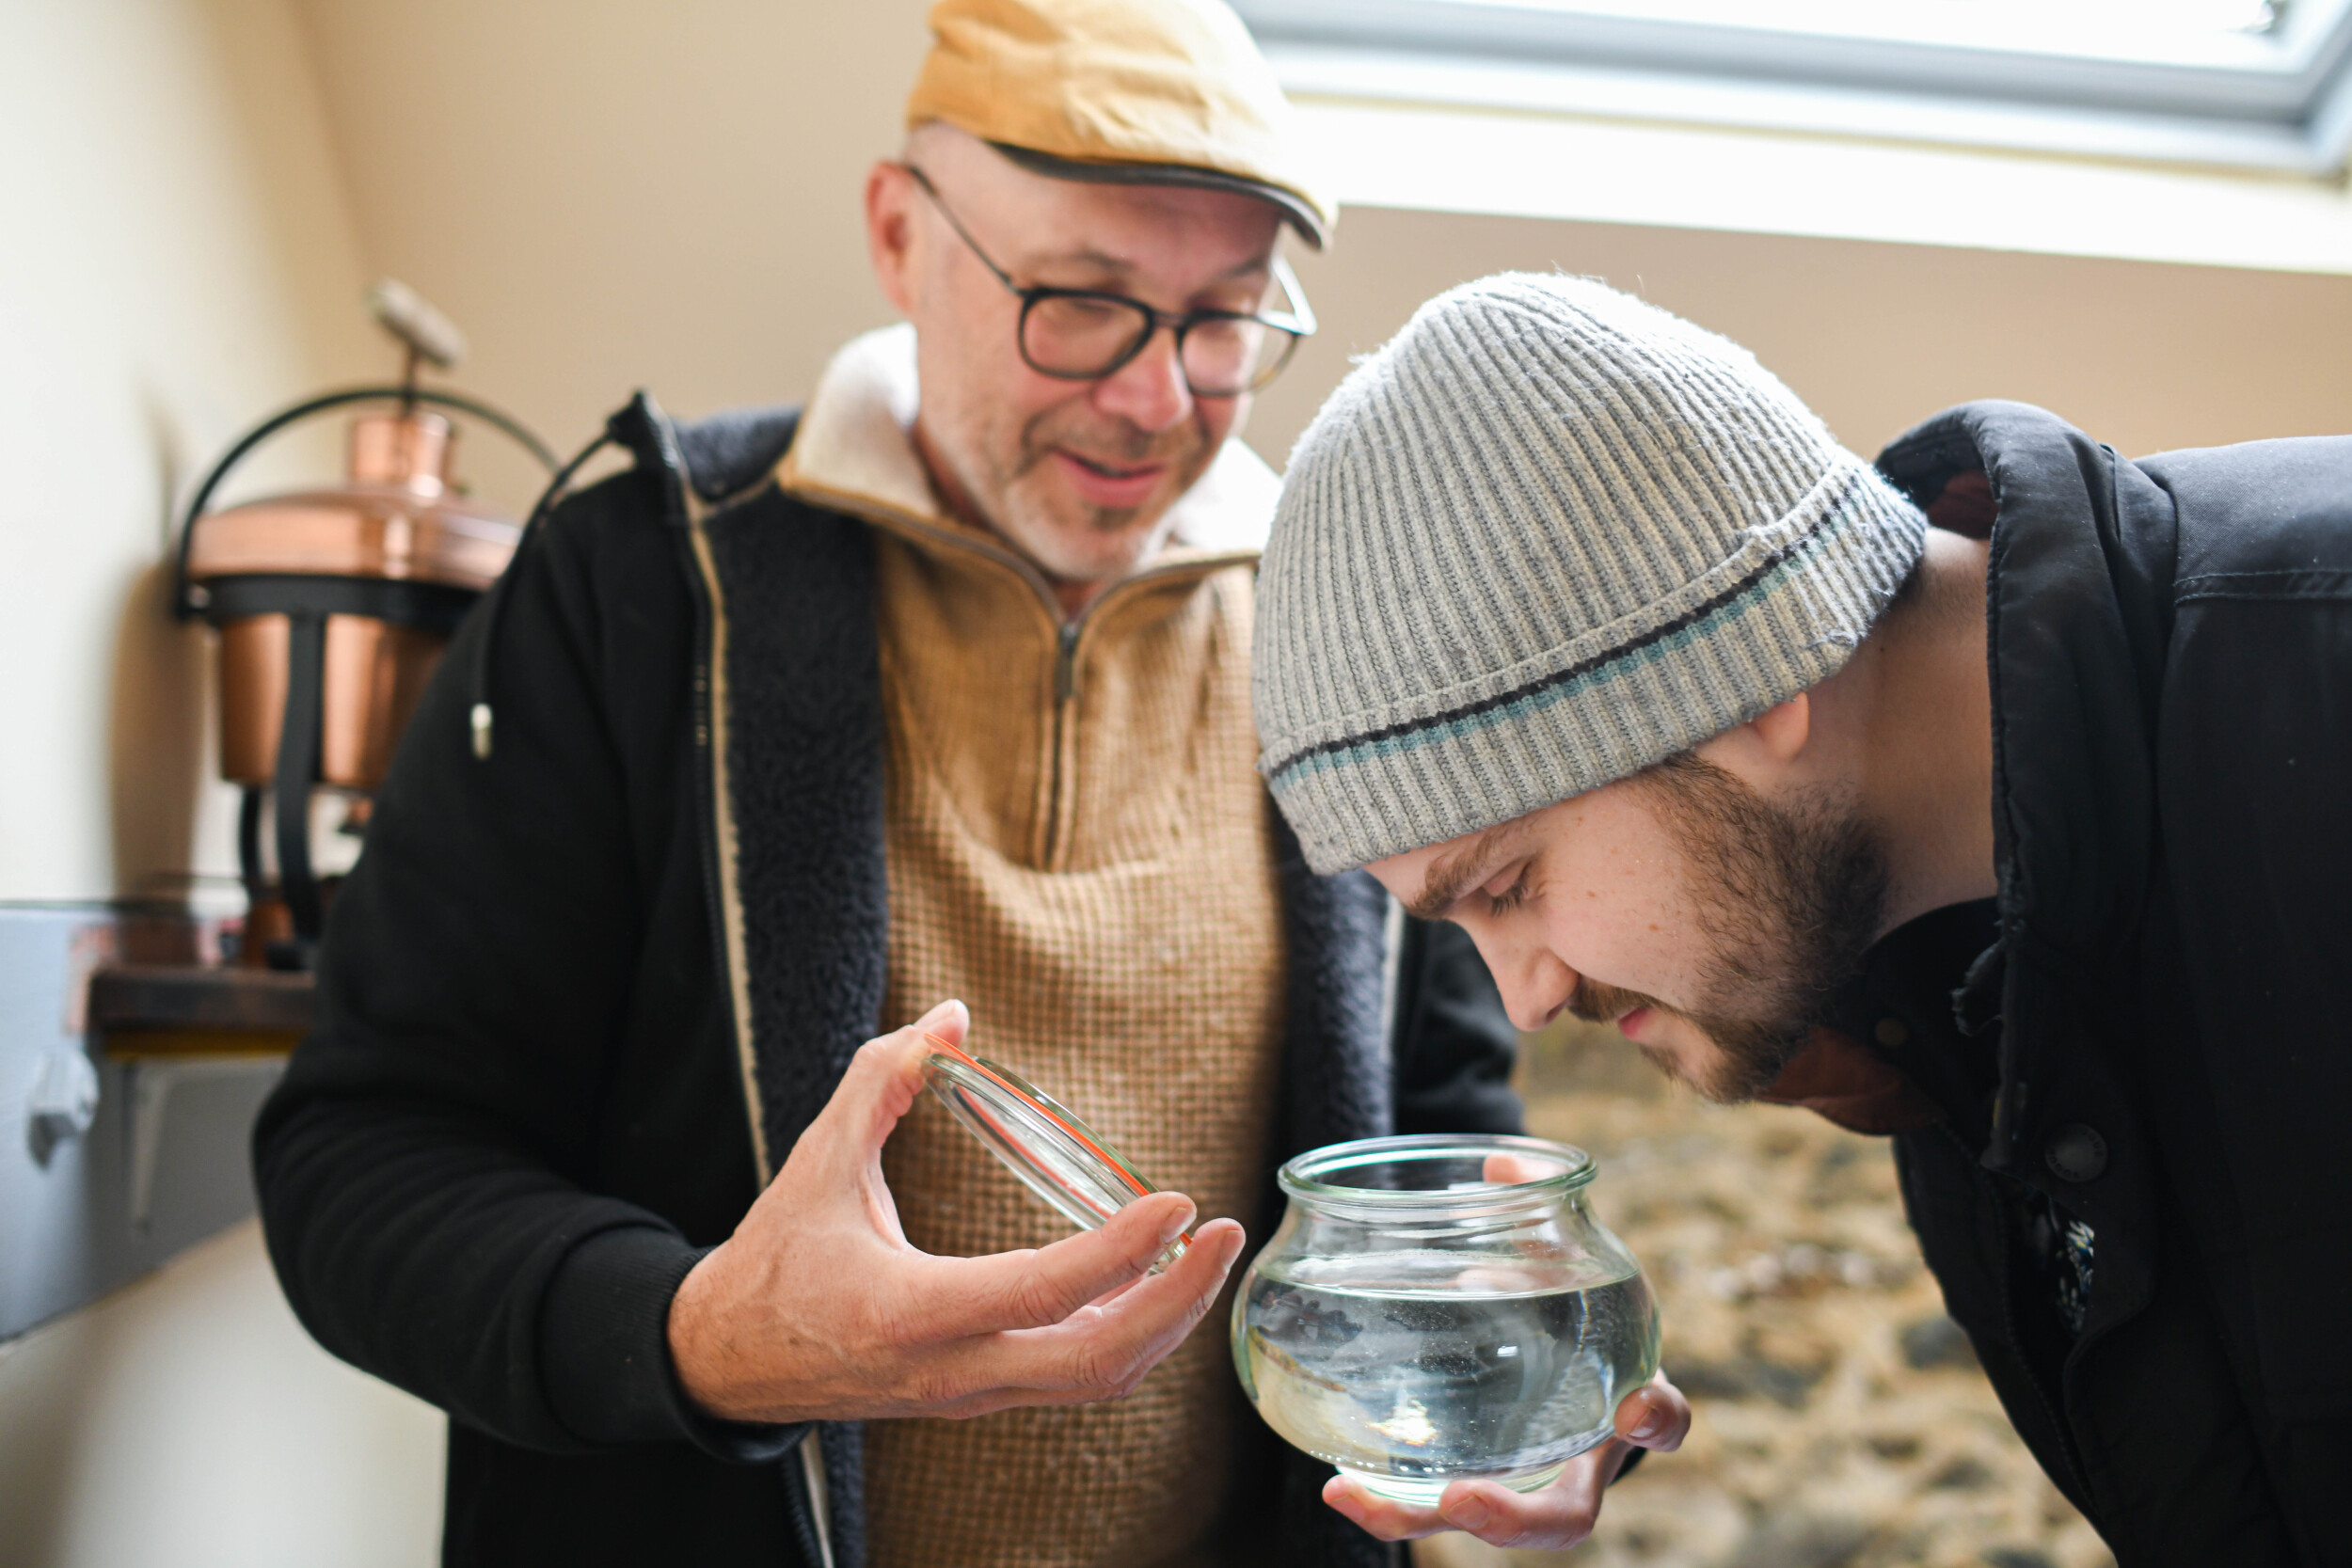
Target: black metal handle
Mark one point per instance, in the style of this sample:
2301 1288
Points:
182 607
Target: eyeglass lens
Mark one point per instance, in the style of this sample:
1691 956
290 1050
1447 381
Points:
1082 335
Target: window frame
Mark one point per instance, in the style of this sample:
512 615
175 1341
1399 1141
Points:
2279 102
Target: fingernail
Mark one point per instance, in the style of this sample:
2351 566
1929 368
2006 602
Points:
1346 1502
1651 1425
1177 1227
1470 1514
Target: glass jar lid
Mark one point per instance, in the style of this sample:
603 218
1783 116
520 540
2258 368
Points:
1056 1155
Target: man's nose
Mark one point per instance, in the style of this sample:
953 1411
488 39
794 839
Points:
1149 392
1535 983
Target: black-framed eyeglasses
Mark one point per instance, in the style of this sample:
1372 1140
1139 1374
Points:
1085 335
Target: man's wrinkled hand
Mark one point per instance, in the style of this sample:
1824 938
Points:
819 1308
1655 1416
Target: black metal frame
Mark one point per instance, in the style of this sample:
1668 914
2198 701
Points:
307 601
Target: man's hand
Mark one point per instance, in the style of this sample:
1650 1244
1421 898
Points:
817 1308
1655 1416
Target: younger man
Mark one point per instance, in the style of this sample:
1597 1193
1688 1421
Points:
2015 828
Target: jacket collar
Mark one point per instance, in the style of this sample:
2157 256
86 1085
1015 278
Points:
855 452
2076 611
2075 628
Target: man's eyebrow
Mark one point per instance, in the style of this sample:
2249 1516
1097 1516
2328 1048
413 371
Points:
1100 260
1104 261
1453 874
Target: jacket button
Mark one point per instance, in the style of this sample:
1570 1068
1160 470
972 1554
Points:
2076 1153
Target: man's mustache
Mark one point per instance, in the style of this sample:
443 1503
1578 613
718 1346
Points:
1113 443
1596 1003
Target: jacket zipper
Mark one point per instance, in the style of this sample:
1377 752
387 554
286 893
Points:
1065 701
679 511
808 1511
1068 630
1066 662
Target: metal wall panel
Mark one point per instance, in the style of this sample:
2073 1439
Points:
69 1231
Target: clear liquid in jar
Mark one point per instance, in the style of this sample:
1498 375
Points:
1409 1370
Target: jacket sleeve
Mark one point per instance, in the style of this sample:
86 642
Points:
426 1168
1455 1045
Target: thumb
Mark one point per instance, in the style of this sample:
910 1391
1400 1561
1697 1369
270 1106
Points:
885 1077
1655 1416
950 1021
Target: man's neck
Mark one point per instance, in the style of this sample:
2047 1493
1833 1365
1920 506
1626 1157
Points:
1914 712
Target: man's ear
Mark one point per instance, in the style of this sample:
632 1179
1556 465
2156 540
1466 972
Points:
1784 728
1771 740
890 233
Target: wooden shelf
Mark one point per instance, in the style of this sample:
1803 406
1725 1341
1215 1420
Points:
156 1010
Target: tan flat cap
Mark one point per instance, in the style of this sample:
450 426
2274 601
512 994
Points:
1140 92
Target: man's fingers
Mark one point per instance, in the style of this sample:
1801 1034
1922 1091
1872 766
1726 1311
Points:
1035 1290
1517 1167
1560 1516
879 1088
1655 1416
1103 1352
1382 1519
1556 1517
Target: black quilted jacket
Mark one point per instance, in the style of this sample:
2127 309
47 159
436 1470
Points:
2157 1041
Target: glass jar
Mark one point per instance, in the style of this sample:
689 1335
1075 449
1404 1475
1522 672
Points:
1441 1309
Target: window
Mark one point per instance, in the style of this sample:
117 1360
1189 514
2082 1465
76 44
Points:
2258 84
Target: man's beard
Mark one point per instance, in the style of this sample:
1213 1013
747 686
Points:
1788 898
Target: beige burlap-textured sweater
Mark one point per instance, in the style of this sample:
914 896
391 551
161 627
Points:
1079 849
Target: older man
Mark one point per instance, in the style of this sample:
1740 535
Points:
938 689
2020 837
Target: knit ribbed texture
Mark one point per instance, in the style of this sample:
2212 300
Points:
1548 536
1101 891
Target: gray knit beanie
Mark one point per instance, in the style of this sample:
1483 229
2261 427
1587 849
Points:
1548 536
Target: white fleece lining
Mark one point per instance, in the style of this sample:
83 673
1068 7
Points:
855 441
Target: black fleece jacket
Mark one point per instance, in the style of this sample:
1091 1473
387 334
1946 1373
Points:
522 1117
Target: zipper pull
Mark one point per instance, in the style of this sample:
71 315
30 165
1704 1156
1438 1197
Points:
1066 663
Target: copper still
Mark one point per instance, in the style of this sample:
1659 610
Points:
334 606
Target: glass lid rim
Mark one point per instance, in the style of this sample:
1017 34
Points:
1079 1143
1407 1147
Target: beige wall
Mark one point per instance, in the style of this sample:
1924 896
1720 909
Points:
606 203
176 258
609 193
1877 336
186 1421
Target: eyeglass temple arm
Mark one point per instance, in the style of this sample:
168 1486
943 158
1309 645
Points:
1301 312
962 233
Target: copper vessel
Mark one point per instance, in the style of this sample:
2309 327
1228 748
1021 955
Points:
335 605
396 521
